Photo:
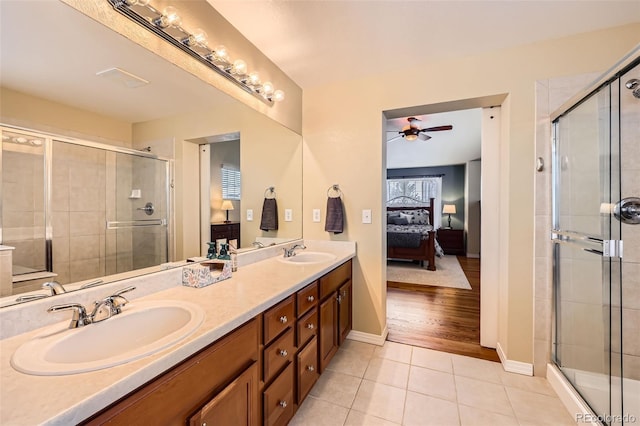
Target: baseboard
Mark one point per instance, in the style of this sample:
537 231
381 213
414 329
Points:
374 339
473 255
578 409
512 366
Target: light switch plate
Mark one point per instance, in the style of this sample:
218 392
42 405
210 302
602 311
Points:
288 215
249 215
366 216
316 215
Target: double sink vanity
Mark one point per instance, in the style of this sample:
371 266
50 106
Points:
247 349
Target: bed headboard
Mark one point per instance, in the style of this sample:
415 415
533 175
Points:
409 206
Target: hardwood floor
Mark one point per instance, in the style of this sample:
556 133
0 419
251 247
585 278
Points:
440 318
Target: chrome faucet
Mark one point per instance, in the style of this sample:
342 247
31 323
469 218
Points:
102 309
258 244
55 287
289 252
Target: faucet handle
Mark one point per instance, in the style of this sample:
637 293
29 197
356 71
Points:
124 290
79 317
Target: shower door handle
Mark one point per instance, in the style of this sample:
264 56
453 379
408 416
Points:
627 210
148 208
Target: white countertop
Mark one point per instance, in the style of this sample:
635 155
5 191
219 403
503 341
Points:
64 400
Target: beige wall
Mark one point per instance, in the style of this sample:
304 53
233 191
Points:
344 144
20 109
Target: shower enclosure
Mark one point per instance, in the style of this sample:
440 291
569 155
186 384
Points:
596 177
76 210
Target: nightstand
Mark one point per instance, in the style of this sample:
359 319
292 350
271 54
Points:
451 241
225 230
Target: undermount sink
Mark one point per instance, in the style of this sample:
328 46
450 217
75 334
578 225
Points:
142 328
308 257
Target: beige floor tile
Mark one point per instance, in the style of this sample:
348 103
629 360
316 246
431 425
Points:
319 413
356 418
539 409
380 400
393 373
433 383
336 388
364 349
349 362
394 351
470 416
423 410
528 383
435 360
484 395
480 369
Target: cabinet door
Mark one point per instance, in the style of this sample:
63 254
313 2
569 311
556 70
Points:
236 404
307 369
345 310
328 330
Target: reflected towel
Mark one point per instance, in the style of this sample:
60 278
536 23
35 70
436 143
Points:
269 221
335 216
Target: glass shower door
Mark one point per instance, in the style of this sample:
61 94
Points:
586 253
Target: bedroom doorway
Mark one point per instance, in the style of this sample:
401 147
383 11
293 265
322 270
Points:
439 309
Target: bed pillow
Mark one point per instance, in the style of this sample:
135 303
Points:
407 217
419 217
400 220
392 216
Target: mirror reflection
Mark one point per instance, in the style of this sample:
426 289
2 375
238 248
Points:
109 180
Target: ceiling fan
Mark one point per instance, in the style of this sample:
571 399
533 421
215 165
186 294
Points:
413 131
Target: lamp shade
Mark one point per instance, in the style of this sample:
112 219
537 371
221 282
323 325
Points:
226 205
449 208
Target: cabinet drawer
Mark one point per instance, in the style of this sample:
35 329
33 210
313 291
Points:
278 399
334 279
278 318
278 354
307 327
307 298
307 369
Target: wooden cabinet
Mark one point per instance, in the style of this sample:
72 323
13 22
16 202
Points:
235 405
225 230
195 384
278 399
335 312
452 241
308 372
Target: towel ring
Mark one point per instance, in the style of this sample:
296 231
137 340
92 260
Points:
270 191
336 189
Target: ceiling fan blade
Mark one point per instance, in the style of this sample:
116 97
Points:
397 137
437 128
423 137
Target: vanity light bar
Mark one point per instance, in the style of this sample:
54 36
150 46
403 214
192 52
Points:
167 25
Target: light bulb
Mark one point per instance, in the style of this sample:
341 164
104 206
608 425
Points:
254 78
198 37
221 52
278 95
267 88
239 67
170 17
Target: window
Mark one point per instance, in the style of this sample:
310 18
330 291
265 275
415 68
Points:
230 184
420 189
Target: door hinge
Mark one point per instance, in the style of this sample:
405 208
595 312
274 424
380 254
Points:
612 248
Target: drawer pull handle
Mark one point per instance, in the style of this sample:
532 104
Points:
311 368
310 298
283 404
283 353
310 326
283 319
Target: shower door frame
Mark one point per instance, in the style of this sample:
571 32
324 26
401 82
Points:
49 138
610 80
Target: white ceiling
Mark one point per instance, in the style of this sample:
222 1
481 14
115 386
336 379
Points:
316 42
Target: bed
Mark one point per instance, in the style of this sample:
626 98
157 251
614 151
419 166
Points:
410 234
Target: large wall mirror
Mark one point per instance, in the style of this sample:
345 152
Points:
157 117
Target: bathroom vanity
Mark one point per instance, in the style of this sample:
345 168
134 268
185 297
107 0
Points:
268 334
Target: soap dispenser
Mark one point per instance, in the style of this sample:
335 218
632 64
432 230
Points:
211 253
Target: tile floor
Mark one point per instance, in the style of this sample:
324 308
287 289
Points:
398 384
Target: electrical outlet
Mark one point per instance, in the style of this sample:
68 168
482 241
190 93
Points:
288 215
249 215
366 216
316 215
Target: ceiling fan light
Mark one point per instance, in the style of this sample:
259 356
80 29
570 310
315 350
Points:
411 137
